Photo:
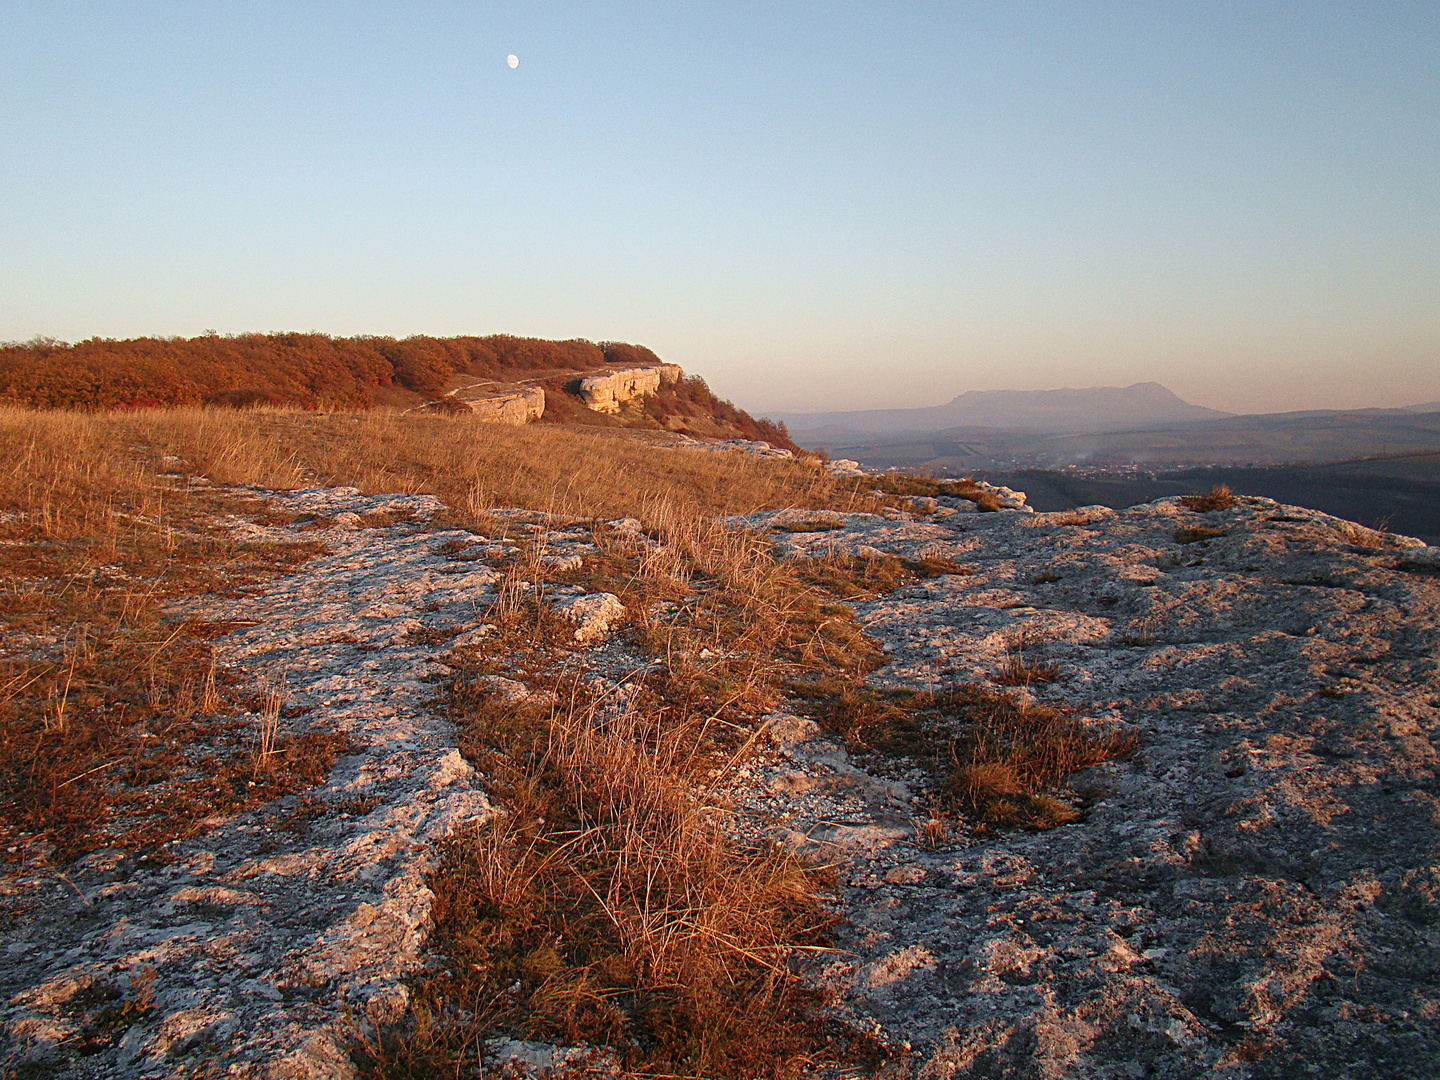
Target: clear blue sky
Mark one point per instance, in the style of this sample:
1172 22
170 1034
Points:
816 205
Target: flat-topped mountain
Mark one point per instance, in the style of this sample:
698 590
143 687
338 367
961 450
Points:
1067 410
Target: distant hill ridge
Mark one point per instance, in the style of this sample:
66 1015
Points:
1067 410
320 371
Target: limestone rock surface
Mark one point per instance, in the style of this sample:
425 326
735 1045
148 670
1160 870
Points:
603 391
1255 894
593 614
256 937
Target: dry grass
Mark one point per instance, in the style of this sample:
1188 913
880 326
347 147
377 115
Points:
469 464
97 685
103 700
1019 670
995 761
1219 497
1007 756
641 923
1362 536
609 906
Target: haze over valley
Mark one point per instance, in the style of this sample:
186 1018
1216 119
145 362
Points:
1119 446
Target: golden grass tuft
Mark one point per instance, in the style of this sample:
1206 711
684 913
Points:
1007 755
1020 670
1219 497
994 760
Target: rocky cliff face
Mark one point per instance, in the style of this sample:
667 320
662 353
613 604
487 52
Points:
524 402
522 405
605 390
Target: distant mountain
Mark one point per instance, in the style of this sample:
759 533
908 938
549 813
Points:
1311 437
1429 406
1051 412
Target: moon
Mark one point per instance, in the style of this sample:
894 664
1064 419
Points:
513 60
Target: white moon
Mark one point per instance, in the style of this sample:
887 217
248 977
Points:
513 60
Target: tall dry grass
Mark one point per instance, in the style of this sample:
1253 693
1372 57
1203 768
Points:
607 907
101 693
469 464
610 905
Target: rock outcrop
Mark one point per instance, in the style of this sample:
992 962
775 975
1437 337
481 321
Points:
518 403
1255 894
524 402
604 391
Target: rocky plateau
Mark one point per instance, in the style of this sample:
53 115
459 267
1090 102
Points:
1255 893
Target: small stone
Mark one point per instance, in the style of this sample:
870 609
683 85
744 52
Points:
787 731
593 615
510 691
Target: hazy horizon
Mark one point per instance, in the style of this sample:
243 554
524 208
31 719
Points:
818 207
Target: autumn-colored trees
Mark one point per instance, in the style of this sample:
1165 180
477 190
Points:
691 407
309 370
319 371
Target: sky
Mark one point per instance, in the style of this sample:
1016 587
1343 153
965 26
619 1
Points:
820 205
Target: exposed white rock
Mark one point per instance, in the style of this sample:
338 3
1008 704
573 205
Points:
604 391
1255 894
593 615
509 691
522 405
544 1061
1008 498
753 447
501 403
259 937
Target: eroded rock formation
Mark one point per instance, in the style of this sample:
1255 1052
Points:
604 391
501 403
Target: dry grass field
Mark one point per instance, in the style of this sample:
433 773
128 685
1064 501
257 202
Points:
609 905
